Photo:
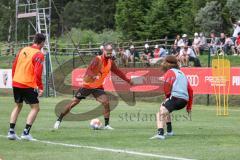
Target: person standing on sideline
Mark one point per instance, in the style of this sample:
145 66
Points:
179 95
93 81
27 85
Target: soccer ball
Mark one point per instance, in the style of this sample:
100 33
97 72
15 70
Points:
96 124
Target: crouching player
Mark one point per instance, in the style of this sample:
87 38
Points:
94 77
179 94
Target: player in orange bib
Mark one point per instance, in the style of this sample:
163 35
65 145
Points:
94 77
27 84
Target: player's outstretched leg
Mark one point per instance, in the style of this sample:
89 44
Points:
13 119
67 109
30 119
105 102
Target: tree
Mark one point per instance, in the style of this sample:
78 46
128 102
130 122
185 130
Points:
209 18
7 20
169 17
130 17
233 7
90 14
72 14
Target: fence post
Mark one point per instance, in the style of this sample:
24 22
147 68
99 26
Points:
209 65
47 77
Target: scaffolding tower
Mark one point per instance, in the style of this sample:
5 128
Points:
38 20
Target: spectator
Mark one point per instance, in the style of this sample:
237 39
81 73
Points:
163 52
134 54
190 56
236 30
229 45
156 52
156 56
196 44
159 54
148 51
193 58
184 56
178 43
222 38
237 44
203 42
147 54
114 55
213 44
125 56
186 41
100 51
222 43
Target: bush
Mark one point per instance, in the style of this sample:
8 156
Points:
88 36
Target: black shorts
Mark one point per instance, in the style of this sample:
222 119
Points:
174 103
29 95
82 93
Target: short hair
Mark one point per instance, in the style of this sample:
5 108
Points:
39 38
108 46
213 32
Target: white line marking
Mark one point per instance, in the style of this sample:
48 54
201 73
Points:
111 150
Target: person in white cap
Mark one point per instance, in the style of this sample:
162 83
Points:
134 54
100 51
147 54
196 44
186 40
146 46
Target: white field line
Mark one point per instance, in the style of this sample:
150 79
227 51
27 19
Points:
110 150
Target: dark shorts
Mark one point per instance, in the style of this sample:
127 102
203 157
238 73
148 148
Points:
174 103
29 95
82 93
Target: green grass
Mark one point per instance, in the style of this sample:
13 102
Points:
6 62
234 60
205 136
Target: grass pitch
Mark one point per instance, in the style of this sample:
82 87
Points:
203 136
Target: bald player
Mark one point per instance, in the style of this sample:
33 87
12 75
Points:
93 80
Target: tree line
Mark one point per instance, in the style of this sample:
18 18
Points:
134 19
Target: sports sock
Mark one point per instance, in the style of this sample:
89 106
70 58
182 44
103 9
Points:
169 127
11 129
27 129
60 117
12 125
106 121
160 131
